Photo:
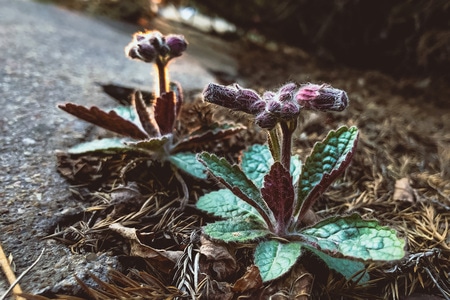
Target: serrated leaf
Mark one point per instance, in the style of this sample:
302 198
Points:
153 145
353 237
347 267
327 161
188 162
223 203
235 180
110 145
257 160
218 132
236 230
274 258
146 115
278 193
110 121
166 112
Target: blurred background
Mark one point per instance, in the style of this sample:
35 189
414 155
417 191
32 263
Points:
403 37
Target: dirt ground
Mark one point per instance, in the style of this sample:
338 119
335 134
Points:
400 175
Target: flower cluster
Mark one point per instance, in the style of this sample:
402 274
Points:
152 46
282 105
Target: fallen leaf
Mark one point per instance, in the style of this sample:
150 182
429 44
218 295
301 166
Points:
251 280
403 191
216 260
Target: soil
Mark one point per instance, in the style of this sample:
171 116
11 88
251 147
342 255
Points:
400 175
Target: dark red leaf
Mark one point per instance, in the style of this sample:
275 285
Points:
110 121
166 112
146 115
278 193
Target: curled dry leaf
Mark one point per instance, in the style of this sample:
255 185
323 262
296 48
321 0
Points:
403 191
251 280
215 260
141 250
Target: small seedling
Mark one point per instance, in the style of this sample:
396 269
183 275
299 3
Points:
271 192
149 125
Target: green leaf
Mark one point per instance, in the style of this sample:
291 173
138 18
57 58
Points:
257 160
152 145
236 230
128 113
188 162
274 258
223 203
110 145
352 236
235 180
347 267
326 162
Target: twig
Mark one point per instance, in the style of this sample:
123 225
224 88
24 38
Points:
10 275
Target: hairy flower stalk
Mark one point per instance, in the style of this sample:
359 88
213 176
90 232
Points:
278 108
153 47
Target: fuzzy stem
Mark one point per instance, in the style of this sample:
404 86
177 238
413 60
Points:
163 77
274 143
287 129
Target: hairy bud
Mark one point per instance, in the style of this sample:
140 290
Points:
266 120
321 97
235 98
177 44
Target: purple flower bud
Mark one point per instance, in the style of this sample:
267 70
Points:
285 92
145 52
177 44
274 107
322 97
290 110
257 107
266 120
267 96
235 98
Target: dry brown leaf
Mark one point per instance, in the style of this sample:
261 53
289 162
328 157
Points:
141 250
251 280
403 191
216 260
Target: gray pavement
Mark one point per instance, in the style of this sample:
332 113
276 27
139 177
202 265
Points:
48 56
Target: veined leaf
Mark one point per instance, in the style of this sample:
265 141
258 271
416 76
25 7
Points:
327 161
189 163
166 112
236 230
146 115
110 145
347 267
108 120
274 258
257 160
235 180
154 145
354 237
278 193
223 203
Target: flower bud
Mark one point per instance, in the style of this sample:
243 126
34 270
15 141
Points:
290 110
235 98
267 96
274 107
285 92
266 120
324 98
177 44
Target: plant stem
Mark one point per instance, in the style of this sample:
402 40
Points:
274 143
287 129
162 77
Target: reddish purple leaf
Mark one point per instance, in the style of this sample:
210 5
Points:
146 115
110 121
278 193
166 112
